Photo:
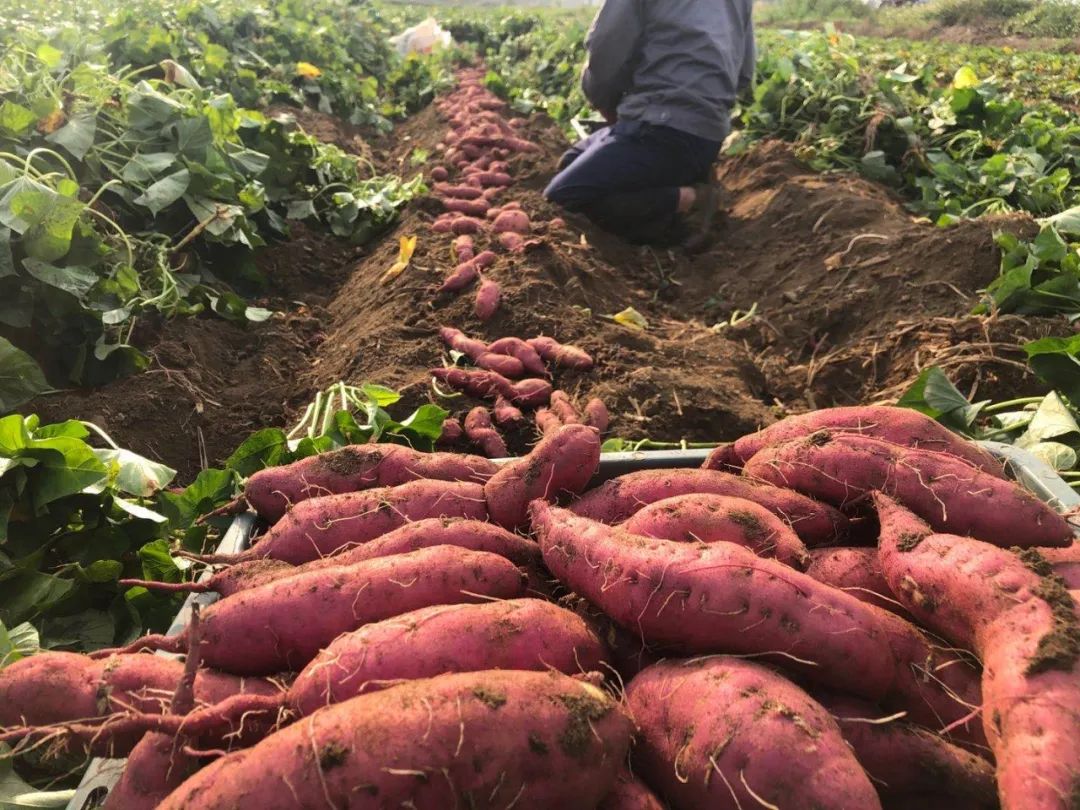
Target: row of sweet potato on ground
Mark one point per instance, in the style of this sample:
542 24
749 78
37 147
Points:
459 639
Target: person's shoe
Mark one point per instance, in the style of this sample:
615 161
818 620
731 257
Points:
701 217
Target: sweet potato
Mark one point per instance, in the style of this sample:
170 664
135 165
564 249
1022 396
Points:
439 174
723 733
627 653
466 225
902 758
596 414
493 179
482 433
856 571
546 421
471 208
282 625
901 426
697 598
488 739
462 276
562 463
519 349
159 763
946 491
506 414
511 221
563 407
512 242
451 432
616 500
478 384
508 367
1069 573
530 392
272 491
320 527
485 258
630 793
1024 625
487 303
474 535
53 689
463 249
460 342
522 634
458 192
561 354
703 518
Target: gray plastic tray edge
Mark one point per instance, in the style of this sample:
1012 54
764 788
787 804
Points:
1028 470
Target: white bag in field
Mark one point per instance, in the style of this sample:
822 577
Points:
422 38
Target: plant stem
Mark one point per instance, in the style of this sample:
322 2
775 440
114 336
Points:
1011 403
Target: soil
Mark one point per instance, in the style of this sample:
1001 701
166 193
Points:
853 298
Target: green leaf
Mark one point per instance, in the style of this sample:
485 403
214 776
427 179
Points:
134 474
380 395
158 563
264 448
20 378
15 119
18 642
77 281
426 421
45 218
143 168
194 137
30 594
165 191
934 395
66 467
1052 420
1067 221
77 135
210 489
138 511
1057 363
1059 456
83 632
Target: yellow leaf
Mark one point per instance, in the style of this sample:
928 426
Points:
406 248
632 318
51 122
307 70
965 78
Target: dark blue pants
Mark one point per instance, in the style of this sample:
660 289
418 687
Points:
626 178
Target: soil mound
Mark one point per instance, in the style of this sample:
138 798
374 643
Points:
854 297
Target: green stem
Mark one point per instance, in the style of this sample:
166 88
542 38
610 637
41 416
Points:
101 433
1011 403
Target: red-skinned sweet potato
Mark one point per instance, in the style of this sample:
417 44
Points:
1024 625
703 518
462 276
282 625
512 221
596 415
482 433
856 571
522 634
51 690
561 354
562 463
617 500
721 733
563 407
487 303
463 249
272 491
946 491
697 598
519 349
320 527
506 414
546 421
500 738
903 759
901 426
630 793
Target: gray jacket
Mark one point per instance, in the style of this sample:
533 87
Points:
676 63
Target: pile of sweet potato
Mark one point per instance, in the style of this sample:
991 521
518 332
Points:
849 609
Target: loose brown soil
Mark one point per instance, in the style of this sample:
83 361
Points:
853 296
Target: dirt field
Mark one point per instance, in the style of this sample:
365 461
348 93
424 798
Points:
853 298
